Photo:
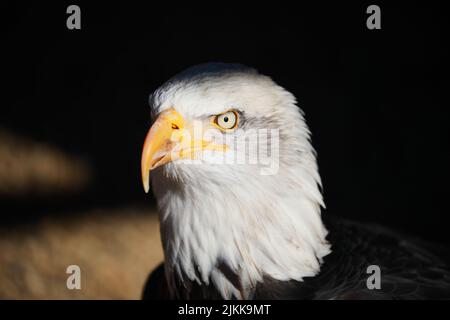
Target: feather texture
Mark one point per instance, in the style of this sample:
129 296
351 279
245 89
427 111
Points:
232 231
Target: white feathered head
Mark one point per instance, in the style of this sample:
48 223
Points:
236 180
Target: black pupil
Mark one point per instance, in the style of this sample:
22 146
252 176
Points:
225 119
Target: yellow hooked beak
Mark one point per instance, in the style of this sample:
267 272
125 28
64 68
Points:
168 140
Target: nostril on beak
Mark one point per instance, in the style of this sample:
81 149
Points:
175 127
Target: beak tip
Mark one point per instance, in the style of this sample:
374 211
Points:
146 184
145 180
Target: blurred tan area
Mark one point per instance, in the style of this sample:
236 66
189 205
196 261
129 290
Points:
115 248
33 167
115 251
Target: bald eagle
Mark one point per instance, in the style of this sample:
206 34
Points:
234 226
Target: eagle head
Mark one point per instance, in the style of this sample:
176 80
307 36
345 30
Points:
230 162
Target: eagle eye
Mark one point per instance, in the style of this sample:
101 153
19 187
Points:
227 120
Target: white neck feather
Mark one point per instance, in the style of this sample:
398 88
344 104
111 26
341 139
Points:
267 226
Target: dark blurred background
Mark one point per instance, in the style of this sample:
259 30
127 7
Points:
376 100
